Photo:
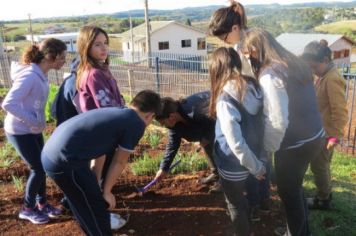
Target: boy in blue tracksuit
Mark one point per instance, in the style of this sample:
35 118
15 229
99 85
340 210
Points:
63 107
68 152
188 118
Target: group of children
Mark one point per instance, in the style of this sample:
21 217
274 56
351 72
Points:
261 101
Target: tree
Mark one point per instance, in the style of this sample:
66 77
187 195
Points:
187 22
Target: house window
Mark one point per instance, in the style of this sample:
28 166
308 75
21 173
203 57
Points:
128 46
201 44
163 45
337 54
186 43
346 53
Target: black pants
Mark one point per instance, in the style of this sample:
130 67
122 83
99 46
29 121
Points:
237 205
290 167
84 195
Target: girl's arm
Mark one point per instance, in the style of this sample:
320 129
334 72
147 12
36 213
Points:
229 117
100 88
14 98
275 110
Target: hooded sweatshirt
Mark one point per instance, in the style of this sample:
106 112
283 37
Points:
25 102
239 133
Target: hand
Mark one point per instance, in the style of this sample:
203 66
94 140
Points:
331 145
160 175
110 199
261 174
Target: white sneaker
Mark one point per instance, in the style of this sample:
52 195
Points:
116 221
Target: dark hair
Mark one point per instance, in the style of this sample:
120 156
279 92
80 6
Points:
168 106
147 101
36 53
225 65
85 40
316 51
224 18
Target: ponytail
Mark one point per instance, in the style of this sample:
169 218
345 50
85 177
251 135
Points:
32 55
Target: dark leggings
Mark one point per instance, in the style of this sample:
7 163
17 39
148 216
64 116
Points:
290 166
237 205
29 147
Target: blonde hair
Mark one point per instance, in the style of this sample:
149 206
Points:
85 40
270 51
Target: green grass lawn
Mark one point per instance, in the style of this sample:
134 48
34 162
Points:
341 219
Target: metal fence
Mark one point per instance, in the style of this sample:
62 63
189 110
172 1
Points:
178 76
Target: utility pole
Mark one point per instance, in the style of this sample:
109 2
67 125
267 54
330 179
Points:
29 19
132 40
148 35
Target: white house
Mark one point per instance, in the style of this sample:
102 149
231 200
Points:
70 39
340 45
166 37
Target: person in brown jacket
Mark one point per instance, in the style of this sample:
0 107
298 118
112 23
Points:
330 90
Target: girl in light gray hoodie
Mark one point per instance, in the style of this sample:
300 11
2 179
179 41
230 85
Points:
236 102
25 121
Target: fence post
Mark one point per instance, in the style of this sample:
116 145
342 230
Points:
157 75
131 82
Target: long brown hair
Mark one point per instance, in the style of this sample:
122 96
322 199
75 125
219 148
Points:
225 65
224 18
270 51
36 53
85 40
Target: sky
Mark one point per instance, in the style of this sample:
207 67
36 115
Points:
20 9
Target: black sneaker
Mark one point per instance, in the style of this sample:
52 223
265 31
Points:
254 214
317 204
210 179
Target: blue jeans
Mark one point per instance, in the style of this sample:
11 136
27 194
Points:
84 196
29 147
258 190
290 167
237 205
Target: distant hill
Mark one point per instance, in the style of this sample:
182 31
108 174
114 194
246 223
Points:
193 13
204 13
341 27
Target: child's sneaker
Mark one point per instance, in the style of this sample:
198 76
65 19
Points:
116 221
51 211
34 215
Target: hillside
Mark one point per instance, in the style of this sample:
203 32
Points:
347 28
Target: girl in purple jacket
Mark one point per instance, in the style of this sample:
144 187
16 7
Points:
96 85
25 120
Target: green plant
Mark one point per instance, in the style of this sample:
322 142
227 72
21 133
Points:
154 138
53 90
145 165
6 163
18 182
190 162
8 151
